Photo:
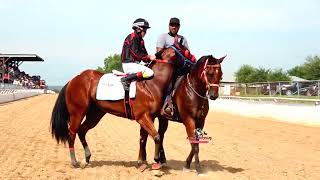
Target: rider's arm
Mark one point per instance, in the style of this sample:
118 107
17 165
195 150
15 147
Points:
160 43
185 43
139 51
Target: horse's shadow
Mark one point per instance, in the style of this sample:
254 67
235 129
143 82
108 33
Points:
207 165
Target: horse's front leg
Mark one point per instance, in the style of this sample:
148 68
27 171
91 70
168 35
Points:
189 159
190 128
146 122
195 149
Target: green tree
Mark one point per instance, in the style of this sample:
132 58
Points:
110 63
297 71
309 70
245 74
249 74
312 68
260 75
278 75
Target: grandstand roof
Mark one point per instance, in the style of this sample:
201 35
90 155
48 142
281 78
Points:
20 57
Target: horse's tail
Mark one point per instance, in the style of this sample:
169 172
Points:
60 118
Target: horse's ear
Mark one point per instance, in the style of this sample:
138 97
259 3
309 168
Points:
221 59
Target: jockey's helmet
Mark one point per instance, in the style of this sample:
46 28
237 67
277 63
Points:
140 23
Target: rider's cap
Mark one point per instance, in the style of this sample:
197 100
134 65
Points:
140 23
174 20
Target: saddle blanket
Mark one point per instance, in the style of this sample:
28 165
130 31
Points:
111 88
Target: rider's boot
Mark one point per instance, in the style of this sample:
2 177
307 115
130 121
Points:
128 79
168 109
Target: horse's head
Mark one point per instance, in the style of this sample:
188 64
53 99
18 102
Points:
208 70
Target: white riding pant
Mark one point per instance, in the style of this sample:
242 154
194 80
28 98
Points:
134 68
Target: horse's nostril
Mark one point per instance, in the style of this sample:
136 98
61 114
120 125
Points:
213 97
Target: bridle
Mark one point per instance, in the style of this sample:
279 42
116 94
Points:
204 75
189 84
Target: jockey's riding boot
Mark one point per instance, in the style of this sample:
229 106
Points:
128 79
168 110
168 107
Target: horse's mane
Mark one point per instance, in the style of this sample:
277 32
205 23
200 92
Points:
212 60
199 62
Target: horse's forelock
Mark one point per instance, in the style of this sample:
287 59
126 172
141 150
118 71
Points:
200 62
213 60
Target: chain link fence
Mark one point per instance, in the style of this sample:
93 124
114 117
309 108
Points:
308 89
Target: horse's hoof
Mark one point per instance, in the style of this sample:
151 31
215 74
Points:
83 164
143 167
75 164
158 172
156 166
88 159
142 162
163 164
185 169
201 174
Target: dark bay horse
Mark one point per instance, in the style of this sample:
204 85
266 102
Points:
192 105
77 100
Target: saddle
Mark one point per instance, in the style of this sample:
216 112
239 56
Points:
126 99
110 88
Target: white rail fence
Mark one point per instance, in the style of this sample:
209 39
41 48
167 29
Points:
8 95
306 114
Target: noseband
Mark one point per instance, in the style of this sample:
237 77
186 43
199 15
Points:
204 75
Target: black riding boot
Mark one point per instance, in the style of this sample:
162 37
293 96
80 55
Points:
169 107
128 79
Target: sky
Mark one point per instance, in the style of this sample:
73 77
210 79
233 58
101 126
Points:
74 35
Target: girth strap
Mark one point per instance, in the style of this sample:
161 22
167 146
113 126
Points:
127 104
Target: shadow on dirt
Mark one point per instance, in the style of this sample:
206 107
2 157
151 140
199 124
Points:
207 165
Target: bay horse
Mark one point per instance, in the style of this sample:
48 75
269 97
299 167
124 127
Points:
191 99
77 100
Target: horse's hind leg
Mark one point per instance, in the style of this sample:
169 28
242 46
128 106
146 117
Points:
93 117
142 159
75 121
142 151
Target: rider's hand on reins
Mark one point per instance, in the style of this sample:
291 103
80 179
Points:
152 57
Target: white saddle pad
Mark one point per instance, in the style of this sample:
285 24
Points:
110 88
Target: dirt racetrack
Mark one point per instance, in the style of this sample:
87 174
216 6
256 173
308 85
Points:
242 148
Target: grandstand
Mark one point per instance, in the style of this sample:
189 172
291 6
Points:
11 77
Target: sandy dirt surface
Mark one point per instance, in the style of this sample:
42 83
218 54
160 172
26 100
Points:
242 148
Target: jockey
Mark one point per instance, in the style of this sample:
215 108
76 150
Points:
165 41
133 52
168 39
